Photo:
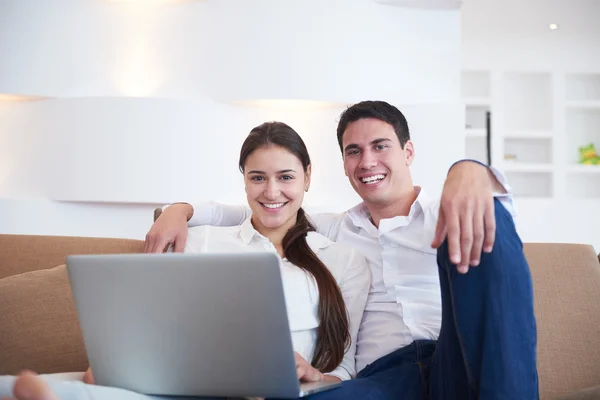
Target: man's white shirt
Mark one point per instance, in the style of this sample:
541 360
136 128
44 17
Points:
347 266
404 302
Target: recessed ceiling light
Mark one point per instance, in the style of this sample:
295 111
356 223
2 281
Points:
553 26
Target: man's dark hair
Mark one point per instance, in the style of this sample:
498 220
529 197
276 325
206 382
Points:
378 110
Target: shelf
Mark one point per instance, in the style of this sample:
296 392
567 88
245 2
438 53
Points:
584 169
585 104
584 88
582 128
583 186
528 101
509 166
530 183
477 101
475 133
476 148
528 151
475 117
529 134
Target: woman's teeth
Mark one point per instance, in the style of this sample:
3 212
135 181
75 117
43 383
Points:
370 180
274 205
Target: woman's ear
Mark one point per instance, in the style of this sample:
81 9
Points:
307 177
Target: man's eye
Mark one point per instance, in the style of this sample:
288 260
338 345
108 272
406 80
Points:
352 152
381 146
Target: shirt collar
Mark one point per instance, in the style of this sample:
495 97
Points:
361 217
247 231
314 240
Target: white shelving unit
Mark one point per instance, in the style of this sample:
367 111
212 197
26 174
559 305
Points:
476 94
540 119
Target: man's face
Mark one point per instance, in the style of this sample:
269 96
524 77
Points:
375 163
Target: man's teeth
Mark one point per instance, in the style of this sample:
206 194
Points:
274 205
372 179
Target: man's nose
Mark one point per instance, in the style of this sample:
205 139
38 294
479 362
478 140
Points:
367 160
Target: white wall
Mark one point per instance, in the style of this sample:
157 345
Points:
150 103
513 35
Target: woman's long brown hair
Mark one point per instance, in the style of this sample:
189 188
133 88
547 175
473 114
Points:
333 336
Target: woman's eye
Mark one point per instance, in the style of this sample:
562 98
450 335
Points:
287 177
257 178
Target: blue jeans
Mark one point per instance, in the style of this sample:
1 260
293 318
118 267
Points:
487 344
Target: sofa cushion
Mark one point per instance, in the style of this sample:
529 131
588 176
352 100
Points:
38 324
24 253
585 394
566 283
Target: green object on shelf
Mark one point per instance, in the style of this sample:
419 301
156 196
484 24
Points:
588 155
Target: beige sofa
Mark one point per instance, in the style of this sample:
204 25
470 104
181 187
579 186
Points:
39 329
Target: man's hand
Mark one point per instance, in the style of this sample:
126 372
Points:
169 229
467 214
306 372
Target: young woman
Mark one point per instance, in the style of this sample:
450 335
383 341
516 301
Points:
325 284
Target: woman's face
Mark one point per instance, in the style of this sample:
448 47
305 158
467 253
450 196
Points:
275 184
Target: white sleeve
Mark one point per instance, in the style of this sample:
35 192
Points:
506 199
327 224
217 214
355 285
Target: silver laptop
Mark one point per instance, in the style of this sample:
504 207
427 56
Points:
187 324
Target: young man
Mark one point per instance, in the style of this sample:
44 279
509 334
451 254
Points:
433 327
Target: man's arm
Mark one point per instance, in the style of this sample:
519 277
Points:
466 215
171 228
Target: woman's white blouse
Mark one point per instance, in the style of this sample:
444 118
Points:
346 265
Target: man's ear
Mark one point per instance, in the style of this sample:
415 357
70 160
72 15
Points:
307 175
409 152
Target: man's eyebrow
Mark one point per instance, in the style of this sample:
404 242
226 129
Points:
376 141
351 146
283 171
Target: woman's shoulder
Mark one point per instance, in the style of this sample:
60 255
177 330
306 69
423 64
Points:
205 236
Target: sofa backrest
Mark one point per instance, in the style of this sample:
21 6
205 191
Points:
24 253
566 282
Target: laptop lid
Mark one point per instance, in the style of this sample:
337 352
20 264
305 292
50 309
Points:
186 324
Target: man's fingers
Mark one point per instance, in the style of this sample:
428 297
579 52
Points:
453 227
160 246
148 243
466 238
440 231
478 236
179 245
489 221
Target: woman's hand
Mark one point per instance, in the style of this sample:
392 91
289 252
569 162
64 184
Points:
306 372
